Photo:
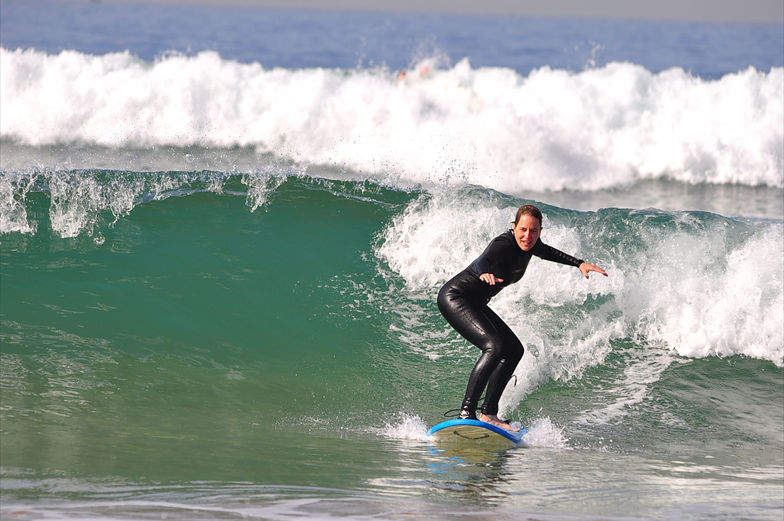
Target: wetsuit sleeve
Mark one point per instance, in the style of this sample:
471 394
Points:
543 251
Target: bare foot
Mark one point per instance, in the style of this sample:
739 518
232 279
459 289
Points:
492 419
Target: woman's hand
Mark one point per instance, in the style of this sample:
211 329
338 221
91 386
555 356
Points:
490 278
586 268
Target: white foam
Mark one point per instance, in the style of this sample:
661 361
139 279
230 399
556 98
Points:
550 130
13 212
543 433
260 186
79 198
707 298
434 237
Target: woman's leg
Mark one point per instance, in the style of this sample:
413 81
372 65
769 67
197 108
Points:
501 350
499 378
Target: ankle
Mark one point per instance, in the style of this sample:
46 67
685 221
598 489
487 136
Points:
466 414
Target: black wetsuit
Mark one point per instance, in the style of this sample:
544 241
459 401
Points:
463 302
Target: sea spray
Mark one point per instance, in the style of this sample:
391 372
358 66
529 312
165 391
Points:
542 433
405 427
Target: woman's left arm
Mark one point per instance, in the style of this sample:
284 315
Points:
549 253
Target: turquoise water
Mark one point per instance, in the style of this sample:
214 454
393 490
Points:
192 358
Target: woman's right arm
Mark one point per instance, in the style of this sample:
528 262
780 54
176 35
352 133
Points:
490 278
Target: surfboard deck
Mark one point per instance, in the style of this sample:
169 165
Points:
475 432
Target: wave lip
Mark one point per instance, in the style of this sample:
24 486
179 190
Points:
550 130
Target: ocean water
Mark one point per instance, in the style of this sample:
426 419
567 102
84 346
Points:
222 231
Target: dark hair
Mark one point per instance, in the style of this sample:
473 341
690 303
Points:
528 209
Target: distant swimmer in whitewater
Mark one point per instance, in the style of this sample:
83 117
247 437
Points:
463 302
420 72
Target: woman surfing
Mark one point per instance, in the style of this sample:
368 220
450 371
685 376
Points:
463 302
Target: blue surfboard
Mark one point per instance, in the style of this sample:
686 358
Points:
475 432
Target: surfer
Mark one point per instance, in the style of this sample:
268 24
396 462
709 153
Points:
463 302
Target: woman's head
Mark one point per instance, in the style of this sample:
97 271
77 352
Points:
527 226
531 210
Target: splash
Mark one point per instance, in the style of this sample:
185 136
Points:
405 427
544 433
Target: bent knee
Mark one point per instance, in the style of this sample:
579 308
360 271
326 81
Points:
512 350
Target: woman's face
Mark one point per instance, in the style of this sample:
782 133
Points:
526 231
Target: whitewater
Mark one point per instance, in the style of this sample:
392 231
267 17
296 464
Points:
551 130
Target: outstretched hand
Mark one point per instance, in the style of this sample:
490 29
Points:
586 268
